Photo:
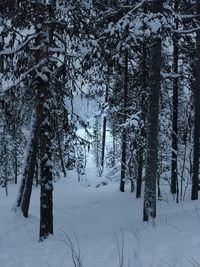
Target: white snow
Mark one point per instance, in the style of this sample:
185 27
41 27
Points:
100 218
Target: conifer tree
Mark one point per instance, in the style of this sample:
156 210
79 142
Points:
149 210
42 63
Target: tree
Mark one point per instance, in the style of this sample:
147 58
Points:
124 131
195 176
104 128
149 210
174 167
42 64
142 134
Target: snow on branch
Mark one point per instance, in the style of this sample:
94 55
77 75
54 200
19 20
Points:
187 31
23 77
18 48
168 75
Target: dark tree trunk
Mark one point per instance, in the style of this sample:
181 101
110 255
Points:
139 173
195 176
104 127
61 155
103 142
44 103
36 173
46 181
149 210
5 166
140 156
124 132
174 169
113 148
29 173
15 162
15 154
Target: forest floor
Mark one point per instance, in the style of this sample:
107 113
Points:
104 224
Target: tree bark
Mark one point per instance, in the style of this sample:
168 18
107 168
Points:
15 162
61 155
149 210
140 156
46 179
104 128
174 168
29 173
124 131
195 176
44 102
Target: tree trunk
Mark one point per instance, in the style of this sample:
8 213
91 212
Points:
15 162
61 155
103 142
124 131
174 169
149 210
44 102
29 173
140 156
195 176
46 181
104 127
15 154
36 173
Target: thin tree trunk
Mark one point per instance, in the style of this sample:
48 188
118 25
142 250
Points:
104 128
15 154
195 176
15 148
15 163
124 131
27 165
149 210
61 156
140 155
5 167
37 173
113 147
103 142
29 173
174 168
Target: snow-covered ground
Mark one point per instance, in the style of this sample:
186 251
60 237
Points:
108 226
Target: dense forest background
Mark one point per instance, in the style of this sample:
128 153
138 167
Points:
119 80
